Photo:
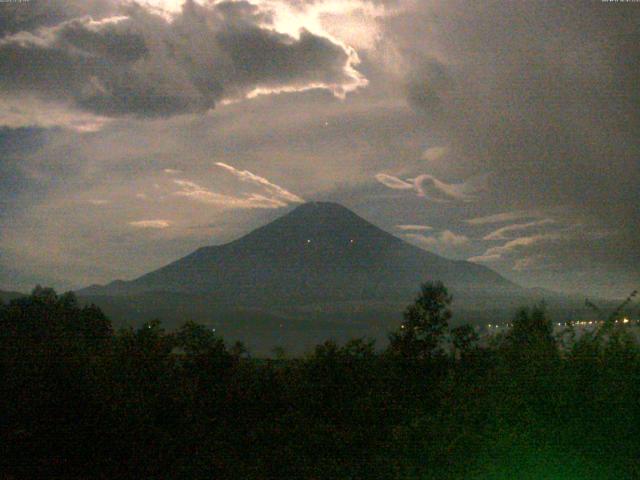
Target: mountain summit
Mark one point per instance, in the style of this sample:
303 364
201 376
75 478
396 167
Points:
319 253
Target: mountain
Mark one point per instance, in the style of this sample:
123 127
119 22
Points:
6 297
318 253
319 271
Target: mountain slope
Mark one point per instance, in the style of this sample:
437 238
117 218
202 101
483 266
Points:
6 297
318 253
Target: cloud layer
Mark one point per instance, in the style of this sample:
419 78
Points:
118 98
135 62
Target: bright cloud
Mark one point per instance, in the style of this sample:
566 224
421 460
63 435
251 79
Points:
248 177
500 252
434 153
500 218
187 61
152 224
443 240
414 228
503 233
436 190
200 194
393 182
351 24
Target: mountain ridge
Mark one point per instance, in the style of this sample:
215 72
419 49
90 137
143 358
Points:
314 243
320 271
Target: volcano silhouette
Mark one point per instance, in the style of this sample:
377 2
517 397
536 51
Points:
319 253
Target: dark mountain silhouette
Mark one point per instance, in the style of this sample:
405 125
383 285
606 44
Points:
6 297
319 271
318 253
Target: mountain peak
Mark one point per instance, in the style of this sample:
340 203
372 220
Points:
322 206
322 210
316 220
318 252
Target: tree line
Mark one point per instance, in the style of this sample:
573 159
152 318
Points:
80 400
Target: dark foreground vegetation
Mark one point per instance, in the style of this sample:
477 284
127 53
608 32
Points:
79 400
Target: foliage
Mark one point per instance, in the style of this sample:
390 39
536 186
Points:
464 340
81 401
425 322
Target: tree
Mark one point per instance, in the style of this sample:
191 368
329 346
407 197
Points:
95 326
530 345
205 353
239 350
464 340
279 352
532 329
425 322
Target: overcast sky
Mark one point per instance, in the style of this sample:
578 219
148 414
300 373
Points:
506 133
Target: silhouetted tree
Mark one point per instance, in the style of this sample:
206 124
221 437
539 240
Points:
239 350
79 401
532 333
464 340
425 322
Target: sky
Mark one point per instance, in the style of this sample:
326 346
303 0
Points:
503 133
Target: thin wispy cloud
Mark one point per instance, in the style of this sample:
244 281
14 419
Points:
248 177
485 258
414 228
200 194
445 239
504 232
500 218
436 190
393 182
498 253
151 224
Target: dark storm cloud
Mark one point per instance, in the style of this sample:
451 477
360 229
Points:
544 88
543 95
14 145
26 16
540 97
140 63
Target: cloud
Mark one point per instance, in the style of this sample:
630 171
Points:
434 153
503 233
442 241
151 224
414 228
514 246
200 194
543 95
138 63
527 263
484 258
447 237
275 190
271 195
436 190
171 171
393 182
499 218
430 187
